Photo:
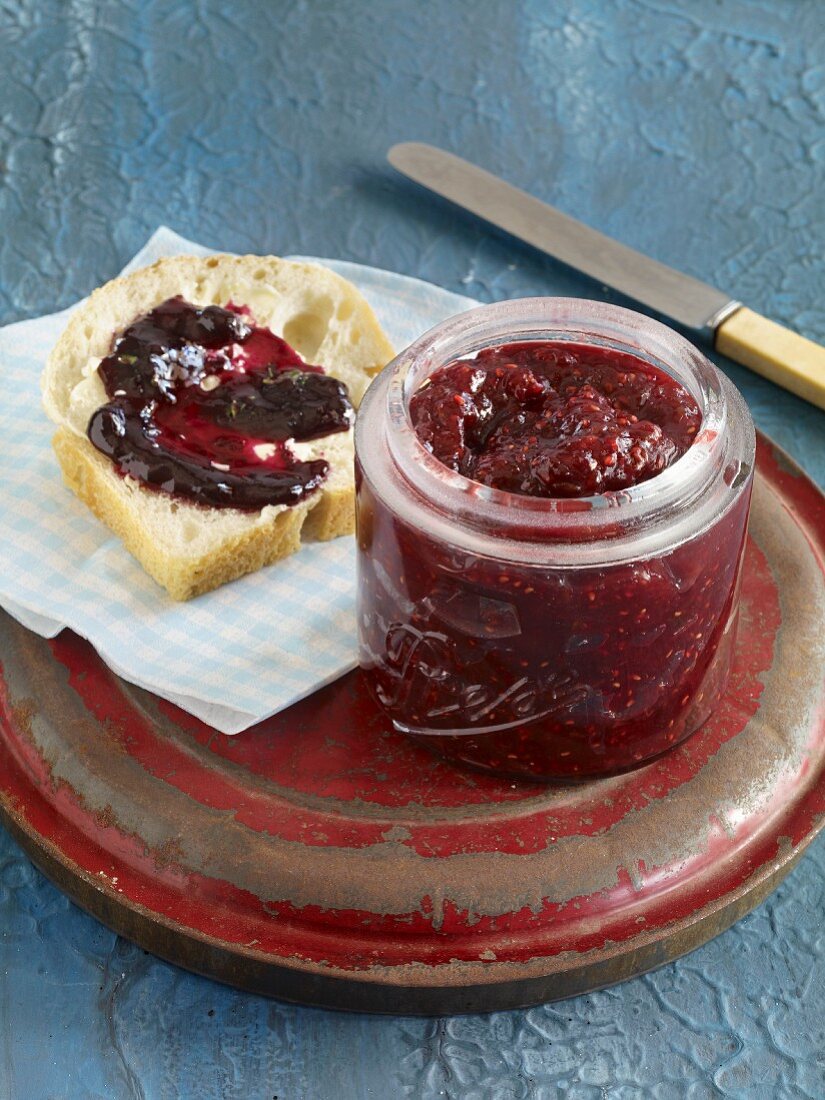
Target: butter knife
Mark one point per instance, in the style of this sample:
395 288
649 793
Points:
769 349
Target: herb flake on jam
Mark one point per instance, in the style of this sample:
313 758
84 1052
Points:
203 404
552 419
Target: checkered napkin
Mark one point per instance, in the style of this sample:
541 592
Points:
230 657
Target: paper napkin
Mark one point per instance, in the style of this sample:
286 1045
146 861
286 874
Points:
231 657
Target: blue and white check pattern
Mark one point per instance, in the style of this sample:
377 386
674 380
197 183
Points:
231 657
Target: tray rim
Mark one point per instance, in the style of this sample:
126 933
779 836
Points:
381 993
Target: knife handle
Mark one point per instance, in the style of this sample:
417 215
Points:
777 353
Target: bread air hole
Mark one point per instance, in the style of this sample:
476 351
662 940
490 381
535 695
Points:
305 331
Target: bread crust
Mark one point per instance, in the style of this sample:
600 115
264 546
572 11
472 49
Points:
187 548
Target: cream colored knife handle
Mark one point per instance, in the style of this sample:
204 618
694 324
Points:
777 353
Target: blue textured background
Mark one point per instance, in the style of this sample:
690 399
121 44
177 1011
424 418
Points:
694 131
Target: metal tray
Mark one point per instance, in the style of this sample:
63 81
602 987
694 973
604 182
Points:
324 859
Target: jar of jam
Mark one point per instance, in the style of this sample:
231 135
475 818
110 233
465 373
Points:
552 501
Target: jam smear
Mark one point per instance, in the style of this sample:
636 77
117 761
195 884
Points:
552 419
202 404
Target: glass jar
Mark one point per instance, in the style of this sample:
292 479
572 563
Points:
549 638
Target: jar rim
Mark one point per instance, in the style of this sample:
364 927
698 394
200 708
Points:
579 522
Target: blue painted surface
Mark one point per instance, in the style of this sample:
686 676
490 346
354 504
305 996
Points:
692 130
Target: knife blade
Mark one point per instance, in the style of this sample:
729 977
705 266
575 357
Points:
777 353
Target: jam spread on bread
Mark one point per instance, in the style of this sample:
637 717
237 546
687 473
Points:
552 419
203 405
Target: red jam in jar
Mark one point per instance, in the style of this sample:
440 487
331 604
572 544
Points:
552 499
554 419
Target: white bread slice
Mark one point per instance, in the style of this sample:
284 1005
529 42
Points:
186 547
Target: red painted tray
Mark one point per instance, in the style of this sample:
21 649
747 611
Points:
322 858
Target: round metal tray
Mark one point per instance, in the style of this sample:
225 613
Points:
322 858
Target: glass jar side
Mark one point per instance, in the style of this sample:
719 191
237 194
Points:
546 673
518 644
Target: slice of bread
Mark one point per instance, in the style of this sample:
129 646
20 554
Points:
186 547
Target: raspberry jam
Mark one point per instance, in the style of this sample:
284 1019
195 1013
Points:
202 403
554 419
552 499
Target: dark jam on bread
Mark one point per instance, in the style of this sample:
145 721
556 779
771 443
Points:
202 403
551 419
